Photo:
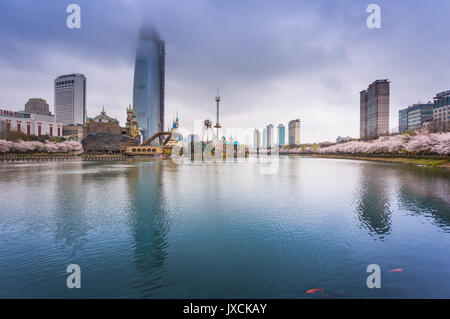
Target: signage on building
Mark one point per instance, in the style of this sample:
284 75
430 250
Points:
14 114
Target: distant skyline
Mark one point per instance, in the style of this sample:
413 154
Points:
272 61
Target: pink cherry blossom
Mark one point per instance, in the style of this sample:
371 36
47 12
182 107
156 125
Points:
36 146
422 142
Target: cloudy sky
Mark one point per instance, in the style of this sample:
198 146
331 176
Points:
273 61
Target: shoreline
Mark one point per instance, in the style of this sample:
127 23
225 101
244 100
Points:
442 162
426 161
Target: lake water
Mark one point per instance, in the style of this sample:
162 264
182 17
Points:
161 230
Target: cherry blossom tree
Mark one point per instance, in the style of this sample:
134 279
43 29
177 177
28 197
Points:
36 146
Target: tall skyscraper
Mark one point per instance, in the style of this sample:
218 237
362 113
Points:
363 109
148 87
294 132
70 99
281 135
37 106
264 138
269 130
374 109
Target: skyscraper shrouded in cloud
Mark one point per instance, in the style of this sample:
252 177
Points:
70 99
148 87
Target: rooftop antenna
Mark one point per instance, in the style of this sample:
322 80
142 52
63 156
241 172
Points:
217 126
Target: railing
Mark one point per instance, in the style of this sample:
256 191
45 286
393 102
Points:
38 158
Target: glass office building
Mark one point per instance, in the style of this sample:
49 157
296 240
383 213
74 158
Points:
413 117
148 87
403 120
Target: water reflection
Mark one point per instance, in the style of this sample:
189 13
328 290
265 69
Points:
148 224
82 194
373 201
71 224
157 229
426 192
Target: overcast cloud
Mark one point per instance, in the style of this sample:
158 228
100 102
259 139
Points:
273 61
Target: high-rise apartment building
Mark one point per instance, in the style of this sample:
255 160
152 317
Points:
363 110
270 140
264 137
281 135
70 99
294 132
256 138
37 106
414 116
374 109
148 87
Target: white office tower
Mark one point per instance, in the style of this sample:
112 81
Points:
70 99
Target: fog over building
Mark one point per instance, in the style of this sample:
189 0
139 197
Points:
148 87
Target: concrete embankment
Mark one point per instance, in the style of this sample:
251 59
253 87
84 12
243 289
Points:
17 158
